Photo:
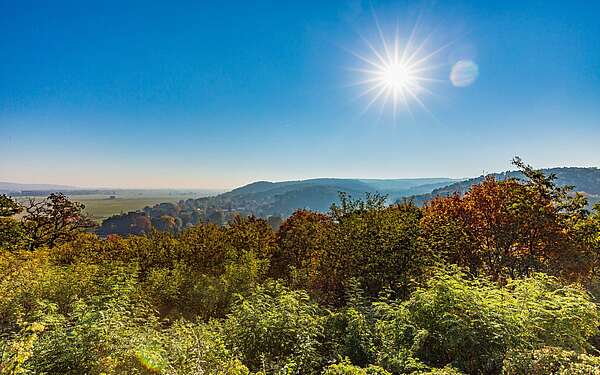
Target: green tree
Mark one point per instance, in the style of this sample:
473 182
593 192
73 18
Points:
12 235
374 244
54 220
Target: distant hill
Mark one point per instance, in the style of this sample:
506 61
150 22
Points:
584 180
271 200
277 200
6 187
265 198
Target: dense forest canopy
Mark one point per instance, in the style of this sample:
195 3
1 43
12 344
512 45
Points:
584 180
502 279
277 201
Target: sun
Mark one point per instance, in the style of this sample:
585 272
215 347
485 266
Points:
397 73
397 77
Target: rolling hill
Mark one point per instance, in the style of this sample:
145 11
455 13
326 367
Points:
585 180
282 198
9 187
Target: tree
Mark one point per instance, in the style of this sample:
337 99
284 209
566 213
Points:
8 206
509 228
251 234
54 220
302 240
11 230
375 244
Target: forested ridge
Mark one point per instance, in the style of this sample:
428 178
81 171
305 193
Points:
584 180
273 201
277 201
502 279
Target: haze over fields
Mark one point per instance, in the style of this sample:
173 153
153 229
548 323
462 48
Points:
219 95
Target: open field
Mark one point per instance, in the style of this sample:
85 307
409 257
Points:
102 206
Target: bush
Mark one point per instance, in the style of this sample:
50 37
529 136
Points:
275 327
184 291
550 360
473 323
32 277
199 349
460 322
345 368
102 333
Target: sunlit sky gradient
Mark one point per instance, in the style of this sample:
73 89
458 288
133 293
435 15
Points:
189 94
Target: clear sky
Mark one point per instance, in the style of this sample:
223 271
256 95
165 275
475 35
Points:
218 94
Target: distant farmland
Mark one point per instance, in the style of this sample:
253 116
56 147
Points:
101 206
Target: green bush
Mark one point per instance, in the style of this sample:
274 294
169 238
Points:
473 323
275 327
468 324
345 368
31 277
101 333
185 291
550 360
198 349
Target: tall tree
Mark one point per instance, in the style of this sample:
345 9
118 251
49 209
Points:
11 230
54 220
508 228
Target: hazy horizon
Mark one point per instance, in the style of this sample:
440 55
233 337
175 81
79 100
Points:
215 96
225 188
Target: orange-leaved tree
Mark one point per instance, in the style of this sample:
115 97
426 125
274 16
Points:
509 228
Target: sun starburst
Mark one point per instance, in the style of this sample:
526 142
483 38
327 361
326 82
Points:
397 72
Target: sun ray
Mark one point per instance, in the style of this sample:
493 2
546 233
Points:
396 73
381 36
376 97
367 60
430 55
377 53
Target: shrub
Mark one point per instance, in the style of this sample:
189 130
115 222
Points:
198 349
345 368
550 360
184 291
473 323
275 327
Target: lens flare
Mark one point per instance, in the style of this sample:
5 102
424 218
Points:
464 73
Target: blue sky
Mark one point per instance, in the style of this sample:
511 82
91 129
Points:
215 95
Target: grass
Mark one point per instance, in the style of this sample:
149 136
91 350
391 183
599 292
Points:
101 206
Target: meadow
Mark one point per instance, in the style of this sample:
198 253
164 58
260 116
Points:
102 206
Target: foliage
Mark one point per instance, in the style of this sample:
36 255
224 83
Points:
345 368
550 360
377 245
275 328
53 220
472 323
362 240
499 280
507 229
12 235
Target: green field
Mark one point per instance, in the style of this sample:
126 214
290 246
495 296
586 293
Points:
99 208
102 206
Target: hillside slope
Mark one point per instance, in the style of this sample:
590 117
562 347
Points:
282 198
584 179
9 187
